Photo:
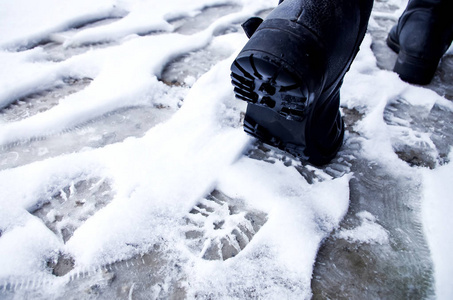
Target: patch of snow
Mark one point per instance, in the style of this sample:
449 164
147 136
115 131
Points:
437 206
368 232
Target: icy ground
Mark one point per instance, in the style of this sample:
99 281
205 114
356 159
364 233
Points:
125 172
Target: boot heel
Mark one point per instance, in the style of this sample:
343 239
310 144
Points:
415 70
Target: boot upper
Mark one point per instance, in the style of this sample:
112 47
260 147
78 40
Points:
424 30
338 25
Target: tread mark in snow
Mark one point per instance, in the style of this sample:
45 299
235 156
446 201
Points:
219 227
53 42
40 101
338 167
419 134
209 14
110 128
147 276
62 265
71 206
186 69
401 268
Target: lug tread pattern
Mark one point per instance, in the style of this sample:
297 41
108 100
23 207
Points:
259 81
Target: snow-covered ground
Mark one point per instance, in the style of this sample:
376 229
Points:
125 172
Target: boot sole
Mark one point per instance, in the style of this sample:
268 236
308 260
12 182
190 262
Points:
259 80
412 69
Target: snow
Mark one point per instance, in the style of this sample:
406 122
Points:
157 178
436 207
368 232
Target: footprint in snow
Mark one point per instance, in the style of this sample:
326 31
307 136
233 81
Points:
338 167
73 204
188 25
40 101
55 46
219 227
419 134
88 36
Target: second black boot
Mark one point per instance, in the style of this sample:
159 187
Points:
422 36
291 70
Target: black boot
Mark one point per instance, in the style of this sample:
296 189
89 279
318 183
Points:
291 70
422 36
